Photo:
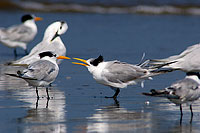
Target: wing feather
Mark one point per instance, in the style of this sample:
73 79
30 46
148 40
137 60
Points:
121 72
41 70
16 33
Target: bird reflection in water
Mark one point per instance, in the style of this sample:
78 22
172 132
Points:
45 115
41 115
114 118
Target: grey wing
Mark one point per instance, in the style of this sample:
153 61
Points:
17 33
184 89
41 70
182 54
122 72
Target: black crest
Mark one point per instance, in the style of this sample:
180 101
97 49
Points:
193 73
96 61
62 22
26 17
47 53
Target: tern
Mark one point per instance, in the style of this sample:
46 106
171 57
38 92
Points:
187 61
20 35
116 74
183 91
51 42
42 72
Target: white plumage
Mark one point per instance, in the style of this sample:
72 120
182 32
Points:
183 91
116 74
187 61
51 42
20 35
42 72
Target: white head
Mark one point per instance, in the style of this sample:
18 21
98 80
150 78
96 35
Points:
92 64
55 30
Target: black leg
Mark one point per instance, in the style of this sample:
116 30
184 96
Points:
47 104
36 104
115 95
181 110
181 114
47 93
191 114
37 93
15 52
116 103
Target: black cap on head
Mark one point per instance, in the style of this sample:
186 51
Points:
26 17
193 73
47 53
62 22
96 61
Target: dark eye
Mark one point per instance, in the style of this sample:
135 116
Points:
94 62
60 27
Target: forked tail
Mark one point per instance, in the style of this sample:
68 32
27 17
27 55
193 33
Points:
155 64
155 73
156 93
19 75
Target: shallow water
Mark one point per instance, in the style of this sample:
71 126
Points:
78 103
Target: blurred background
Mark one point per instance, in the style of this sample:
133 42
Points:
106 6
119 30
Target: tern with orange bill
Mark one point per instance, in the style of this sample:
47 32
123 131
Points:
20 35
116 74
51 42
42 72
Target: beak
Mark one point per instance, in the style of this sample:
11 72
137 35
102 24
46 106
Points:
56 35
86 64
38 18
63 57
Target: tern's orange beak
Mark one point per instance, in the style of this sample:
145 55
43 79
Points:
63 57
86 64
38 18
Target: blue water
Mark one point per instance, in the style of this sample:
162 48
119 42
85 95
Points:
78 103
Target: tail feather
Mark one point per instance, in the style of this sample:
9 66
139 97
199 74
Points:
157 65
156 93
169 59
13 75
139 64
144 64
155 73
19 75
13 64
161 93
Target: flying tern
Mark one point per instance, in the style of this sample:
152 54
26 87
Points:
187 61
42 72
183 91
20 35
116 74
51 42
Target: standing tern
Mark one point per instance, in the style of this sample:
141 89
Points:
20 35
183 91
116 74
187 61
51 42
42 72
